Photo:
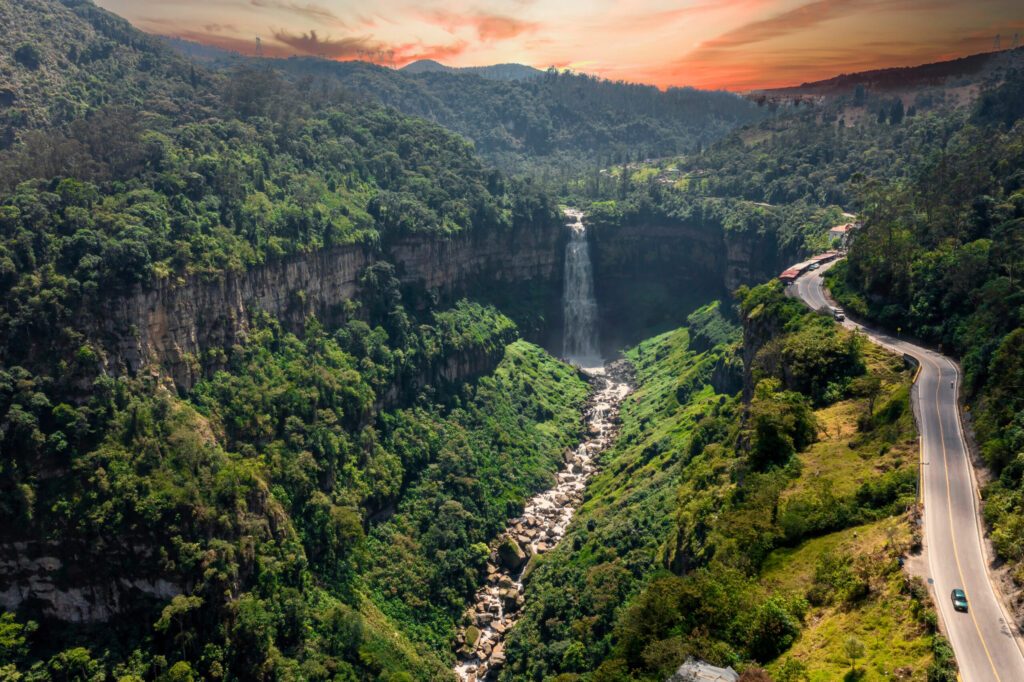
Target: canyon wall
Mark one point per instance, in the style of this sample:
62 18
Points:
649 277
175 324
646 277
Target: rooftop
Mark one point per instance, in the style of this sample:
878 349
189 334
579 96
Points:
700 671
842 229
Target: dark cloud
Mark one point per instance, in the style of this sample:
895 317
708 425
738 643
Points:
350 47
366 48
242 46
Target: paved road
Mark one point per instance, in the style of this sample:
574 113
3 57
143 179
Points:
985 648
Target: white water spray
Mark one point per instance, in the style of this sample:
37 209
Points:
580 343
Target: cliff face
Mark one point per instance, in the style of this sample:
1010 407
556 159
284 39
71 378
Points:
175 324
648 278
52 578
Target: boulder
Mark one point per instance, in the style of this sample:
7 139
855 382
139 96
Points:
510 600
472 636
498 656
511 555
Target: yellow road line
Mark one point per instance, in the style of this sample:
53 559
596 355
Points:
949 494
952 531
976 499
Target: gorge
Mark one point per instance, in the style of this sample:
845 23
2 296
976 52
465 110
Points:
307 373
546 518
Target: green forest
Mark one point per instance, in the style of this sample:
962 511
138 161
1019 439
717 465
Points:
325 488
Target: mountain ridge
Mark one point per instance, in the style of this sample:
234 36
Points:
501 72
918 75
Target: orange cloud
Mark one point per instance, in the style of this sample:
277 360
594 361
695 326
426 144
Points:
488 27
731 44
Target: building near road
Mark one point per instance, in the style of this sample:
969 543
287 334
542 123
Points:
789 275
842 233
699 671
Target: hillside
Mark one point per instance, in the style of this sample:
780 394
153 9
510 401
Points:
767 538
551 124
90 58
279 394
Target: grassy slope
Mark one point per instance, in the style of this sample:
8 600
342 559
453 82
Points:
624 534
885 622
616 538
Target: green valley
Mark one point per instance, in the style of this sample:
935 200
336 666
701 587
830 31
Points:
313 369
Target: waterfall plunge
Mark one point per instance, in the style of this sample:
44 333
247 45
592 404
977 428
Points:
580 344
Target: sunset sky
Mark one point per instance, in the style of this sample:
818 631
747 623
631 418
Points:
732 44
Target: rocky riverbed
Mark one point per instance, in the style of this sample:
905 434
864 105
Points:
480 643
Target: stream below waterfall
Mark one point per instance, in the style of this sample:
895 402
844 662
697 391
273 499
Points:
480 645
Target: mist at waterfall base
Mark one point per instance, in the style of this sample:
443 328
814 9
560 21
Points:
580 344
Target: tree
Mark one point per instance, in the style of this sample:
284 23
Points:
28 55
13 642
868 386
792 670
859 95
896 112
774 630
854 650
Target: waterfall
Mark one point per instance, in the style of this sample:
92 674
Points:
580 307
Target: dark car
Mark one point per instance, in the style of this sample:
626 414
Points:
959 600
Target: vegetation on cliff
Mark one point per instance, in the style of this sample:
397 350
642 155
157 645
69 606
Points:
308 534
282 519
319 505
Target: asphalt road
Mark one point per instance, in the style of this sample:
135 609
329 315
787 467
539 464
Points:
985 647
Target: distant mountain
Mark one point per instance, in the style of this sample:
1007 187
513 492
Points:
497 72
974 67
201 52
550 120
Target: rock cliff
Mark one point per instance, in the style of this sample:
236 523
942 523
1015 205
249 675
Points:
648 278
175 324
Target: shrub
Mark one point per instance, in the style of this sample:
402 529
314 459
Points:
28 55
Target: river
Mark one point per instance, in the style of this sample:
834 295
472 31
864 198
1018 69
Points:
497 605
